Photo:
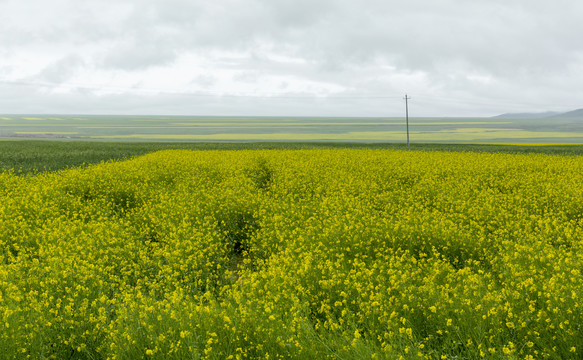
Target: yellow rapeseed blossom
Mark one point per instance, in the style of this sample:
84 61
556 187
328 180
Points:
295 255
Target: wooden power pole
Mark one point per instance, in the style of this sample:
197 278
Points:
407 116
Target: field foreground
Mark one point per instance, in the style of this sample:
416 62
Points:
328 253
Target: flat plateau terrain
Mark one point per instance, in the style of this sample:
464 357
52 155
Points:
189 128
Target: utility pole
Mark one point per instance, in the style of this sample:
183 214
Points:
407 116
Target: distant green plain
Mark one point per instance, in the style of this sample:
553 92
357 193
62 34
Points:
286 129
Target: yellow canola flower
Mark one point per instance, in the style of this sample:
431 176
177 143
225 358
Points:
241 254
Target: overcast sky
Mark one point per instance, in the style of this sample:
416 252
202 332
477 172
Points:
290 57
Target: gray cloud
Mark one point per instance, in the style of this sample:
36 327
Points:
139 53
61 70
204 80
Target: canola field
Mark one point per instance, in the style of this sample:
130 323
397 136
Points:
295 254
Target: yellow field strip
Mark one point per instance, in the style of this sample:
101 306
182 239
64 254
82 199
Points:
522 144
270 125
37 125
46 132
193 127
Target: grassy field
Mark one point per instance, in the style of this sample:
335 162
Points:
320 129
39 155
315 253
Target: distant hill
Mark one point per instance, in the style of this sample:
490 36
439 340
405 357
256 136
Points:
571 114
540 115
